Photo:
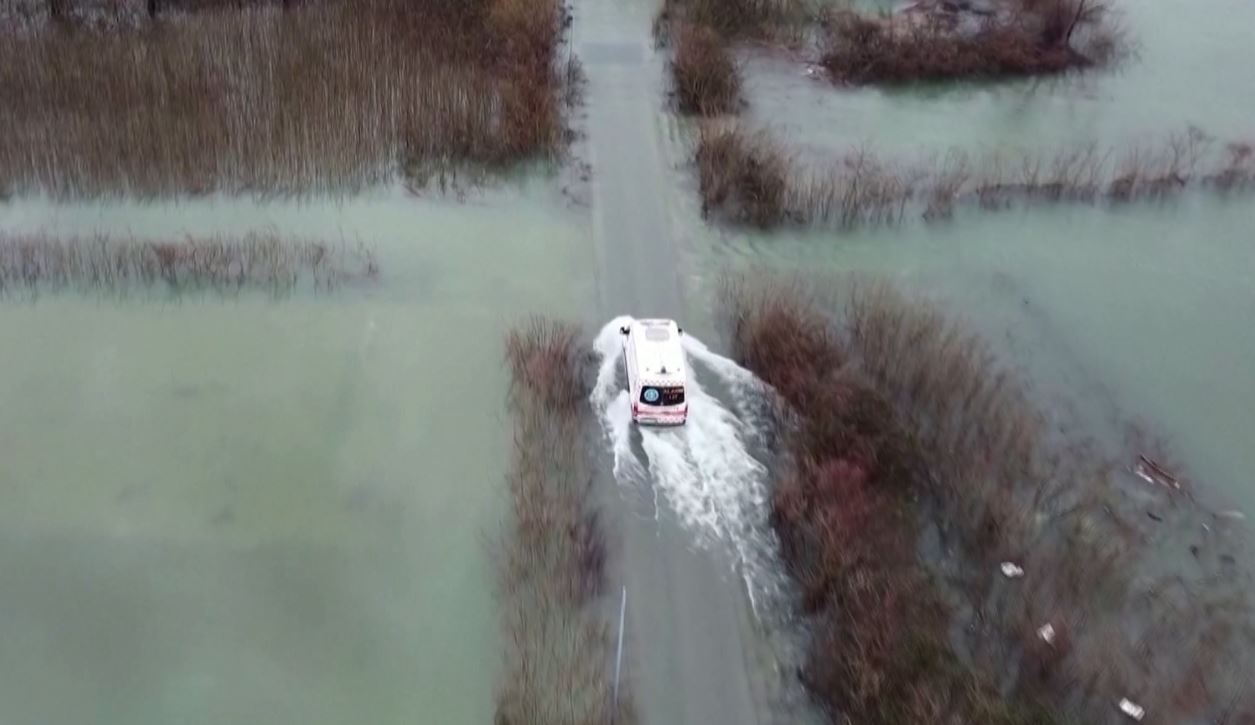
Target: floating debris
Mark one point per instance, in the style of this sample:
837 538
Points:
1132 709
1047 633
1011 571
1232 515
1154 473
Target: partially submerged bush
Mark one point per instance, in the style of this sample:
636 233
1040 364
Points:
919 428
552 555
741 176
879 651
736 18
706 78
930 43
747 177
29 264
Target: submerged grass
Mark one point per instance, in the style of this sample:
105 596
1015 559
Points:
747 177
320 96
552 556
30 264
899 423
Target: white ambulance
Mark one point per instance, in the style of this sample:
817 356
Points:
655 370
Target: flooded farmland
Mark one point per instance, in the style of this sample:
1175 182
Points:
279 508
248 508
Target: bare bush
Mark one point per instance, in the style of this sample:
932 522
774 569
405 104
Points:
735 18
747 177
910 419
552 555
705 76
742 176
30 264
931 42
329 96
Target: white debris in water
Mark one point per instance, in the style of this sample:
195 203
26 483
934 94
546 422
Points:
1011 571
1132 709
1047 633
1232 514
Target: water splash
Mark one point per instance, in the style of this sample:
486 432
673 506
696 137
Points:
610 400
704 470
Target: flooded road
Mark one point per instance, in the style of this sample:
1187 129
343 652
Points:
695 652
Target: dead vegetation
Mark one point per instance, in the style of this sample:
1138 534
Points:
31 264
707 82
327 96
551 558
935 41
705 77
903 424
747 177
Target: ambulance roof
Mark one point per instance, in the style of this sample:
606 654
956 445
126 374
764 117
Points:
659 355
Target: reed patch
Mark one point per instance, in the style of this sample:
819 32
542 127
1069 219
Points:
552 554
329 96
31 264
745 176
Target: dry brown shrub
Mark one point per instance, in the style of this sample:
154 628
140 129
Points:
733 19
1032 37
743 177
558 667
748 177
705 76
942 433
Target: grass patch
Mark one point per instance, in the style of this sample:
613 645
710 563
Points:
551 559
898 422
31 264
326 96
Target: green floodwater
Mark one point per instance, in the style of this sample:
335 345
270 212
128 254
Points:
278 511
256 511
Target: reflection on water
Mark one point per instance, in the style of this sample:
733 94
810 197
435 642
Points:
253 511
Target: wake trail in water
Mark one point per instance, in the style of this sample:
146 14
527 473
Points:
704 469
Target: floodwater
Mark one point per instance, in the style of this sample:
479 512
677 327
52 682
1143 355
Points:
250 510
261 510
1189 67
1137 315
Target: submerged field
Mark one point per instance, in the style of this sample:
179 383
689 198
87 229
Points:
235 491
249 508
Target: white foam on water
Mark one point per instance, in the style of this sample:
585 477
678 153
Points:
610 400
704 470
749 394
